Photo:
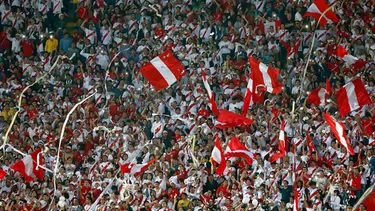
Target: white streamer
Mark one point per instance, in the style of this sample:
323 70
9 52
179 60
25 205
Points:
62 135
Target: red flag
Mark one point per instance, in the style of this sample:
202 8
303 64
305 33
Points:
310 143
27 167
247 100
211 95
339 132
282 151
135 169
227 119
2 173
349 59
218 156
265 76
352 96
316 11
163 70
296 199
236 149
317 97
328 87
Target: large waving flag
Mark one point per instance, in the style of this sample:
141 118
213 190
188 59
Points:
282 151
265 76
211 96
339 132
218 157
2 174
236 149
227 119
163 70
28 168
317 9
349 59
352 96
135 169
319 96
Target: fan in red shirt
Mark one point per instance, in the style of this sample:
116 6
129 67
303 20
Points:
27 47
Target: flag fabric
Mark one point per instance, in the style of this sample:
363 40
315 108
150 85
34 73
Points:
27 167
2 174
296 199
248 99
282 151
352 96
317 9
163 70
310 143
317 97
211 95
236 149
349 59
135 169
265 76
367 199
339 132
218 157
328 86
227 119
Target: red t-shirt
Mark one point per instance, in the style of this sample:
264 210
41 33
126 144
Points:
28 47
356 182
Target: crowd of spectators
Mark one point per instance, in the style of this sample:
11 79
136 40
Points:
127 121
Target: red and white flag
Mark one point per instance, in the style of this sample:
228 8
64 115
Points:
352 96
349 59
236 149
28 168
282 151
265 76
135 169
2 174
218 157
296 199
211 96
248 99
227 119
319 96
339 132
163 70
317 9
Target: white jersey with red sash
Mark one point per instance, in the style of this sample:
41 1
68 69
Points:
57 6
106 36
6 17
321 35
90 34
307 38
105 166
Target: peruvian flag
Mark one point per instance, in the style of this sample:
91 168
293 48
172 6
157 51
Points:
227 119
135 169
248 99
211 96
27 167
282 151
339 132
163 70
349 59
218 157
2 173
319 96
352 96
296 199
316 11
236 149
265 76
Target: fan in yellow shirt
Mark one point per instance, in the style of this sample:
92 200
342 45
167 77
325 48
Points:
184 201
51 44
